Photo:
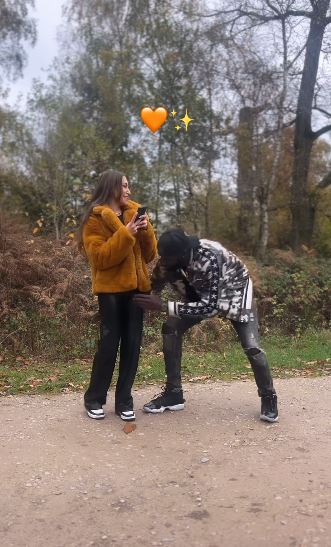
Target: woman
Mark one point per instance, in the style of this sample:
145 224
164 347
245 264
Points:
118 245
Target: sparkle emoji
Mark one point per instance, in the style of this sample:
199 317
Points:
154 119
186 120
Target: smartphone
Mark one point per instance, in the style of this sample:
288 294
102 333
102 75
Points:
141 211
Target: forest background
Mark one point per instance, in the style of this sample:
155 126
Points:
252 170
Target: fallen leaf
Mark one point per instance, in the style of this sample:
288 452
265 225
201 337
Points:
129 427
199 378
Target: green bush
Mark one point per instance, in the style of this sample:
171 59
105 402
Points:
32 333
296 296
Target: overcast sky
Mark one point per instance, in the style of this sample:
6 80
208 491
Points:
48 16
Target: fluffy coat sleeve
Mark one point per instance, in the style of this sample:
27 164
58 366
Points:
148 243
105 252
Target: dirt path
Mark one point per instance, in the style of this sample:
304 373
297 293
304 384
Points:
212 475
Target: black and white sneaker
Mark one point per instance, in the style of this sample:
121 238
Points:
95 411
126 415
269 411
167 400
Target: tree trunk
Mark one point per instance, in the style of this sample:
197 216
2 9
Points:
245 181
271 183
158 177
176 184
193 217
264 229
301 206
210 158
56 226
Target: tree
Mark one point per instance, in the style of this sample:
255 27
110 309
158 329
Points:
248 14
15 27
138 53
304 137
253 76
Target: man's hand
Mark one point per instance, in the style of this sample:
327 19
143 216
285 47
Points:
149 302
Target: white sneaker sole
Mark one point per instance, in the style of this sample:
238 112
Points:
163 408
129 418
266 419
95 416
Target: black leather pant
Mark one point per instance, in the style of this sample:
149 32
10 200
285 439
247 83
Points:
173 330
121 325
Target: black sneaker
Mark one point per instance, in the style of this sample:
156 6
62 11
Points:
95 410
167 400
126 415
269 411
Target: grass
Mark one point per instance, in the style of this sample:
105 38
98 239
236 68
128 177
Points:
305 355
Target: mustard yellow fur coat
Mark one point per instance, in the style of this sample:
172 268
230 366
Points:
117 258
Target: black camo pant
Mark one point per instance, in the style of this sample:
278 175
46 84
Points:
173 330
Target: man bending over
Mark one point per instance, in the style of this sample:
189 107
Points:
211 281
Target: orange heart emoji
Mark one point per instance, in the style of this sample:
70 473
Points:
154 119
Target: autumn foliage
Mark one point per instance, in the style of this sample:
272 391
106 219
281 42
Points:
47 309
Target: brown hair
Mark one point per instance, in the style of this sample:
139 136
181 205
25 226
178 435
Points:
109 187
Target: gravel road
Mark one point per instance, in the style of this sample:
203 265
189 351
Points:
212 475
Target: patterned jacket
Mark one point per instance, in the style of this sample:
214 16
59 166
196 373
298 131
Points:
215 282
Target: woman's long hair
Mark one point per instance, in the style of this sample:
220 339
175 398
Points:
108 188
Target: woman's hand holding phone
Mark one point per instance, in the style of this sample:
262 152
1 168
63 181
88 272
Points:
137 223
132 226
142 222
142 216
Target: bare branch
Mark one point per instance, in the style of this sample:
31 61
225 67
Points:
298 55
255 15
288 124
328 114
271 132
316 134
298 73
215 14
298 13
272 7
251 26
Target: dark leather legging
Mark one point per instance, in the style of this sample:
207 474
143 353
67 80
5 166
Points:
173 330
121 325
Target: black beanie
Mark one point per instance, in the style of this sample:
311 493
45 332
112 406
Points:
173 243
